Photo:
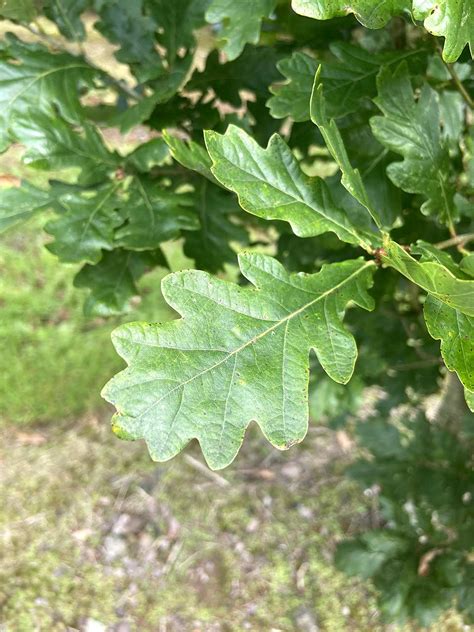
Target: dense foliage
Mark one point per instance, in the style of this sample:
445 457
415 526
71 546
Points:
333 161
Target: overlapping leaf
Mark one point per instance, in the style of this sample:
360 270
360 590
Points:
370 13
112 282
454 329
292 98
270 184
241 22
229 79
412 129
154 215
87 224
19 203
53 145
176 22
34 79
236 355
191 155
348 80
128 25
433 277
67 16
150 154
165 85
210 245
351 178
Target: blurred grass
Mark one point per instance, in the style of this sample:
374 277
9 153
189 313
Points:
107 535
54 360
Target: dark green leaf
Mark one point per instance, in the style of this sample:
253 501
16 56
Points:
347 81
148 155
351 178
67 16
271 185
292 97
177 22
154 214
34 80
112 281
87 224
412 129
210 246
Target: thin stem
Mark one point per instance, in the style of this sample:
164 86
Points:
458 83
457 240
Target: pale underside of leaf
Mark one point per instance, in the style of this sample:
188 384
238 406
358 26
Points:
453 20
455 330
371 13
433 277
236 355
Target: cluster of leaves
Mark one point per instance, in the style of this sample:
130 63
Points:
419 555
346 152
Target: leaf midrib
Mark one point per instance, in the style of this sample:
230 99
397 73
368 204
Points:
254 339
42 76
347 229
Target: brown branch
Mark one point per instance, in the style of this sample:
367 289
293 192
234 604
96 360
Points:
458 83
458 240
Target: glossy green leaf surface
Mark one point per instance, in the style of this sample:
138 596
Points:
451 19
236 355
370 13
270 184
455 330
433 277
